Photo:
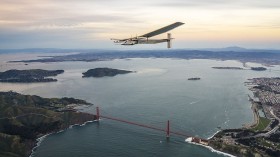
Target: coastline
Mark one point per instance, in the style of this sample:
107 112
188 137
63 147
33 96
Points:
188 140
42 138
260 137
24 128
209 138
38 143
213 134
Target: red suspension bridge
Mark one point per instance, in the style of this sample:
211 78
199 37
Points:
166 130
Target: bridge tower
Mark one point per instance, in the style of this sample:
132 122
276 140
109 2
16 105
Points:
97 114
168 130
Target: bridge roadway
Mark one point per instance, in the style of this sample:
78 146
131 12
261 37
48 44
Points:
145 126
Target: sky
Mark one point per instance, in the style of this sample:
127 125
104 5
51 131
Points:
90 24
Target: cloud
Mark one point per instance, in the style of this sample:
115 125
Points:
57 14
54 38
222 4
69 22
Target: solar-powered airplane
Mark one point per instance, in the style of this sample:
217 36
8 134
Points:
144 39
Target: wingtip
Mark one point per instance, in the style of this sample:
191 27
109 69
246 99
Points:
181 23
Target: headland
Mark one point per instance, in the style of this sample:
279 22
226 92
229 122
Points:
24 118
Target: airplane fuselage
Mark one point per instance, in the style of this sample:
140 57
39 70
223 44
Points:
145 39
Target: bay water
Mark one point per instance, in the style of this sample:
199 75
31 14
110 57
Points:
158 90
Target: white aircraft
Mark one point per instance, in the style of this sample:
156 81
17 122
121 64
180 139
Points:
144 39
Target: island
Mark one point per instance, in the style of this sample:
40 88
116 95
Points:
29 76
194 78
231 68
102 72
258 68
262 137
25 118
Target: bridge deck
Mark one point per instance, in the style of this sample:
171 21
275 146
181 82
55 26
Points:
145 126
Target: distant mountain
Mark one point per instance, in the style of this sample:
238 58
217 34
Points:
239 49
31 50
263 57
232 48
48 50
61 50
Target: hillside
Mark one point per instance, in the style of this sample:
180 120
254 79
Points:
101 72
24 118
28 76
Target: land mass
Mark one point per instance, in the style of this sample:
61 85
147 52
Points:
238 68
102 72
258 68
231 68
262 138
29 76
24 118
194 78
266 57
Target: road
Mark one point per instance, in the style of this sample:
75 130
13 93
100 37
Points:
27 114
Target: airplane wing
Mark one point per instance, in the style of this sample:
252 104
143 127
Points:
162 30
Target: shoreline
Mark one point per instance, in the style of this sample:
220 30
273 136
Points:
214 134
188 140
39 140
255 138
209 138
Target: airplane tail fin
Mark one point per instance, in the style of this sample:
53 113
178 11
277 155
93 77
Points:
169 40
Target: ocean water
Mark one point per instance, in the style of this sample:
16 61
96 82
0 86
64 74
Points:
158 91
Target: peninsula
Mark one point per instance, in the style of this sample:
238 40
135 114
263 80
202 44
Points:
24 118
262 138
29 76
102 72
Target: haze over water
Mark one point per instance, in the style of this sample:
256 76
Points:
157 92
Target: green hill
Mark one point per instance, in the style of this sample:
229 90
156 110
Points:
24 118
28 76
101 72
